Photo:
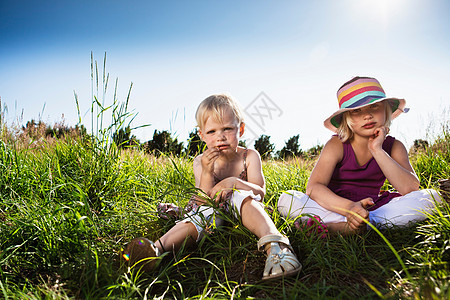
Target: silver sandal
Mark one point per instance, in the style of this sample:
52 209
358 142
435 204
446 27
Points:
279 263
141 254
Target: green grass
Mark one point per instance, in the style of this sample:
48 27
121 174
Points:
67 207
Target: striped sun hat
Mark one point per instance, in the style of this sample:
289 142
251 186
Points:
359 92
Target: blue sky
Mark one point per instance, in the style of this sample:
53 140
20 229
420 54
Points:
176 53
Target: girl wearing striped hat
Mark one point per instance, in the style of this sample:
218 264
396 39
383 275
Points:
344 190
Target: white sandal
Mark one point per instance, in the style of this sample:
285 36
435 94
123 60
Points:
141 253
279 263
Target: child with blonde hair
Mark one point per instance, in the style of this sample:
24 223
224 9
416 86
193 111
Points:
343 190
232 176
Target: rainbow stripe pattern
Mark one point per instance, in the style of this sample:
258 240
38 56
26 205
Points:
359 92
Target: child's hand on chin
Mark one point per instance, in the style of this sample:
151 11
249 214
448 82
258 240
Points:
209 157
376 141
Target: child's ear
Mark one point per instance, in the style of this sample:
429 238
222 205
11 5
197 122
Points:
241 129
200 134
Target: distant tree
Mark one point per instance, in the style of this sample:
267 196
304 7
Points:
291 148
81 130
34 130
38 130
314 151
162 142
60 131
242 143
195 145
420 144
264 146
123 138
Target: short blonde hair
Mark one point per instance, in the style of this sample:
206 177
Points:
345 131
215 106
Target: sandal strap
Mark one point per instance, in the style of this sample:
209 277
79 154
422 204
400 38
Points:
279 263
156 248
273 238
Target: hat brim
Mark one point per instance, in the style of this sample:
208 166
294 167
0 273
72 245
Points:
397 105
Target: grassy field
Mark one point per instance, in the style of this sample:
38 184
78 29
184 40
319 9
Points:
68 206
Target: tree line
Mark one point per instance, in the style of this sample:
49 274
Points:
163 143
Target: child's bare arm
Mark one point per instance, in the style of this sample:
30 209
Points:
204 177
255 179
397 168
317 187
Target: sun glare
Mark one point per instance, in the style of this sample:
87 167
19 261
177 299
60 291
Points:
382 10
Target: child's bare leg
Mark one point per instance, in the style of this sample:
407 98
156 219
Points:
173 239
140 252
255 219
283 261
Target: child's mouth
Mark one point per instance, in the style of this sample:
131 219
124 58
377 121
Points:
369 125
222 147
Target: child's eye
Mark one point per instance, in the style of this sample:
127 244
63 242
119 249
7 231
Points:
355 111
210 132
228 129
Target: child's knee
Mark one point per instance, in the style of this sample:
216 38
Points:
432 195
287 202
193 230
408 209
427 197
285 199
239 198
247 202
196 222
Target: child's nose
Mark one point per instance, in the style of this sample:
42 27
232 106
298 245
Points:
221 136
367 114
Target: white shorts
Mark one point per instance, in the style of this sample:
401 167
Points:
400 211
206 216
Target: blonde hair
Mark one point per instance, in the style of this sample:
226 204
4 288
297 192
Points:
215 106
345 131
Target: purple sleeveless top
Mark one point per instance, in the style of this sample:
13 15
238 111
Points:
355 182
